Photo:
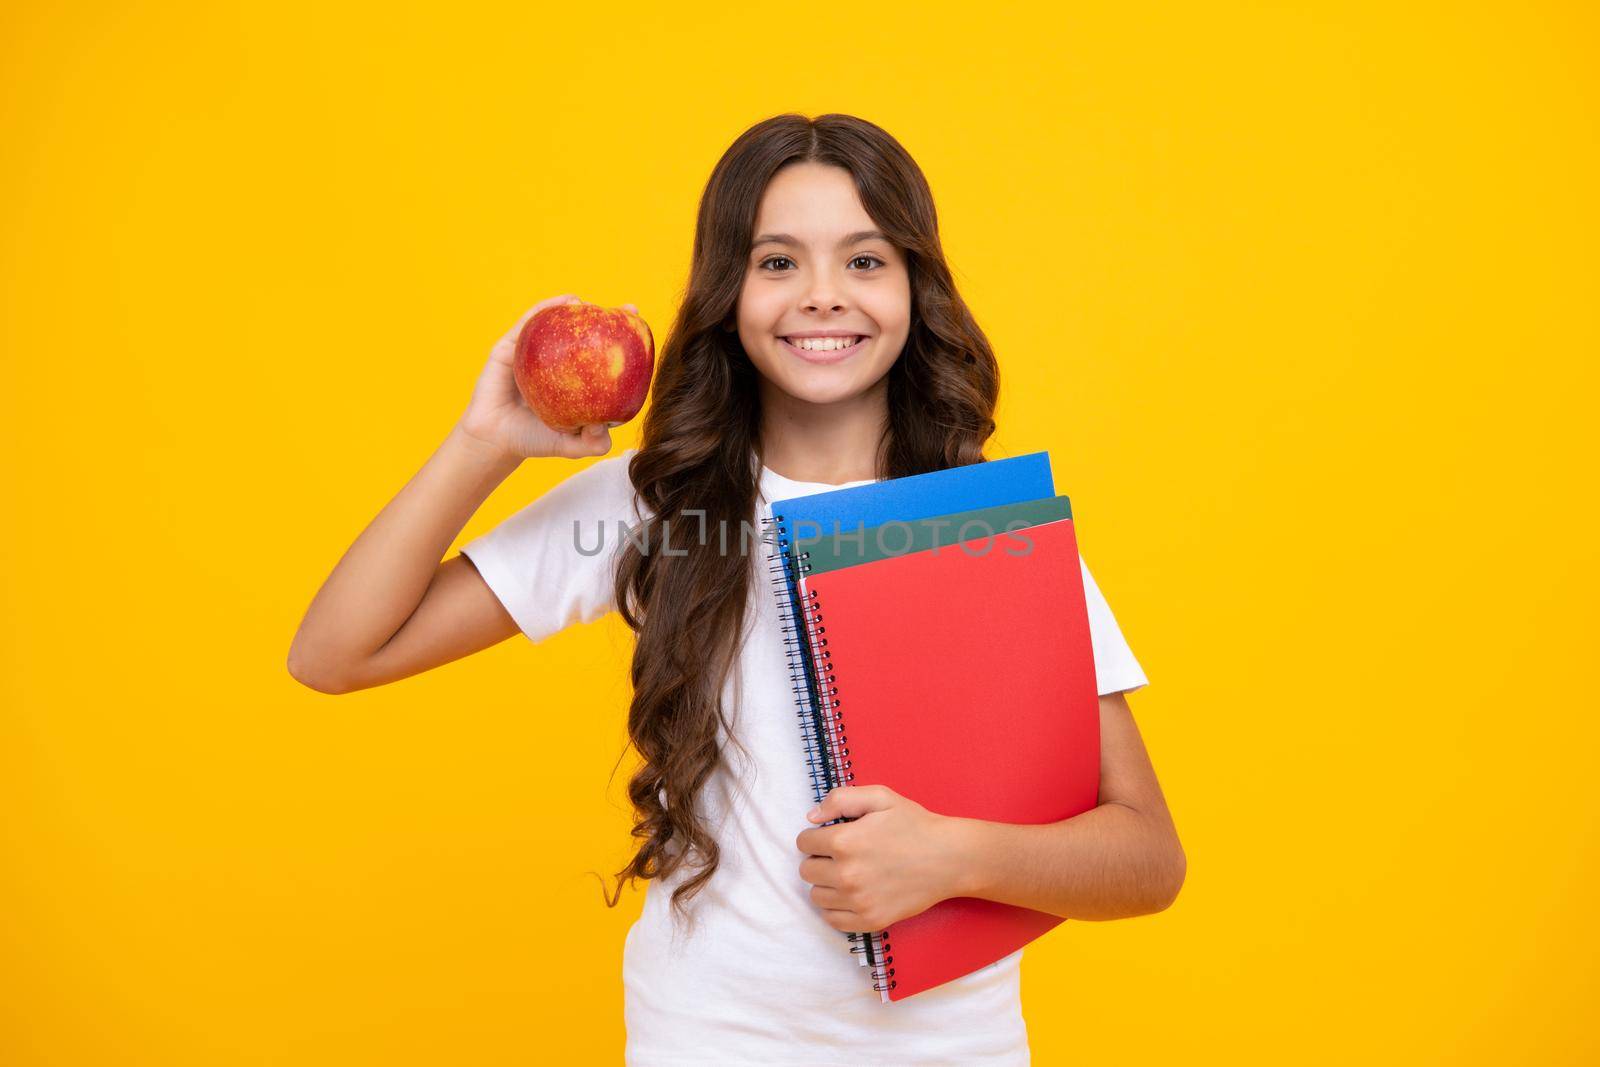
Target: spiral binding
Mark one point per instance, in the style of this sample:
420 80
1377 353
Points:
813 681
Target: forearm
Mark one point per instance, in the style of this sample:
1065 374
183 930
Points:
384 574
1109 862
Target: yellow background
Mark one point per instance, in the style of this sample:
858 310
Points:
1301 301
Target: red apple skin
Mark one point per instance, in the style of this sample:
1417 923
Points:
577 364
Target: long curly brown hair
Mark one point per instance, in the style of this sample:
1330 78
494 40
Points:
701 452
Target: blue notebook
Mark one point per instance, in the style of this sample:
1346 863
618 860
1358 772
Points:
846 511
919 496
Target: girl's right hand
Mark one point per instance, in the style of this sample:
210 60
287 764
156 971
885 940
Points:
499 418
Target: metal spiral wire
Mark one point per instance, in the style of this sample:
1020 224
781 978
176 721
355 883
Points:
813 681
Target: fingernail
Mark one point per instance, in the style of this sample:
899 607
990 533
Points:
813 813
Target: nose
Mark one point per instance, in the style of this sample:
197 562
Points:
824 293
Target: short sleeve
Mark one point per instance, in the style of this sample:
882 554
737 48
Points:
552 563
1115 668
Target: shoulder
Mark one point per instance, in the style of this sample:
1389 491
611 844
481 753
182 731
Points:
597 495
548 562
1116 667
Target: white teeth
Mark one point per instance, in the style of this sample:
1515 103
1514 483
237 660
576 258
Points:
822 344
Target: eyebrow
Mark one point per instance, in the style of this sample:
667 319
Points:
792 241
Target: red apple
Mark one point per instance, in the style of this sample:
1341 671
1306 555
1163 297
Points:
578 364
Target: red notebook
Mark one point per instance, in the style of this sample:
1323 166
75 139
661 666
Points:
966 682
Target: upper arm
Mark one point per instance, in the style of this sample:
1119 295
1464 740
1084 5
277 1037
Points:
1126 774
458 615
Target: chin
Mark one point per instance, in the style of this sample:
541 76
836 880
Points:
822 386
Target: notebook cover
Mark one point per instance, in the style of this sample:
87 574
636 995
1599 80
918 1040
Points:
966 682
918 496
977 531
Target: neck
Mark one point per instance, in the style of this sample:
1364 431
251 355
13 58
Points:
830 443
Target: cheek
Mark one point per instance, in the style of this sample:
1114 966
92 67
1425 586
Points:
759 317
759 301
890 308
893 317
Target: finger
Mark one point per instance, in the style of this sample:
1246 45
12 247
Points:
509 338
817 841
573 445
511 335
579 442
851 802
824 896
631 307
820 871
845 920
564 298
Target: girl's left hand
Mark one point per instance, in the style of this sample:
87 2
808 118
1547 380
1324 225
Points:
894 860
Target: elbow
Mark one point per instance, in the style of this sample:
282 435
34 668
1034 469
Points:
308 674
1171 884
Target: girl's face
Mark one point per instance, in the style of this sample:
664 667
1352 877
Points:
816 267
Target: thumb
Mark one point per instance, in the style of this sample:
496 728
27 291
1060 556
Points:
851 802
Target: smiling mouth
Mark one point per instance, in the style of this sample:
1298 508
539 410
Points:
825 355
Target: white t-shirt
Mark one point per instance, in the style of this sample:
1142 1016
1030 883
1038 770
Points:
761 978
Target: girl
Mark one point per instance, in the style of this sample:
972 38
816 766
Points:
821 343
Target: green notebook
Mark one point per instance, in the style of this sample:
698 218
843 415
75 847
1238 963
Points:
831 551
